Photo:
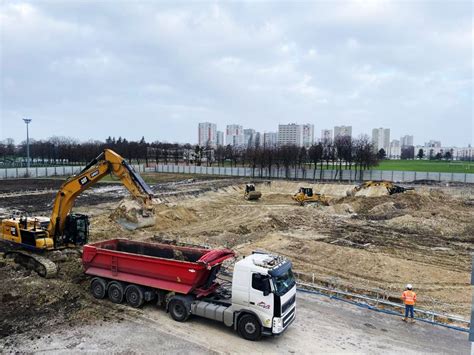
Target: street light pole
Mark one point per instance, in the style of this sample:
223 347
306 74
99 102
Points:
27 121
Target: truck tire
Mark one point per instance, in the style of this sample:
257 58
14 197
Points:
134 296
115 291
249 327
178 310
98 287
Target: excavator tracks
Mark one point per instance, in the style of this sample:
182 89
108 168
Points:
40 264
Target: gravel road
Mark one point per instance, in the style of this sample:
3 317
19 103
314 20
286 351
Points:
322 325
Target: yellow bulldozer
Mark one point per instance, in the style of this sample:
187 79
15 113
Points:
250 192
29 240
306 195
390 186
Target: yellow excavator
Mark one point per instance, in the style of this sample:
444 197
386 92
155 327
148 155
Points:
306 195
250 193
390 186
30 239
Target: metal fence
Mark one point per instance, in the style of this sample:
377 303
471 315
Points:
379 300
274 173
15 173
309 174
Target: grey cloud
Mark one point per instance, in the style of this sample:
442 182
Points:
94 69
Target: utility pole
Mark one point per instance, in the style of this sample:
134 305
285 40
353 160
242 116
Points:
27 121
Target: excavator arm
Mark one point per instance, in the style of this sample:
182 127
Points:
108 162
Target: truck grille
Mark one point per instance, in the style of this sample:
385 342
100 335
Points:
288 304
289 317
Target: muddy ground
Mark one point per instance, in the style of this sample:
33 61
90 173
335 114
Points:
363 243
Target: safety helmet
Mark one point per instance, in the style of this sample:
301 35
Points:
409 286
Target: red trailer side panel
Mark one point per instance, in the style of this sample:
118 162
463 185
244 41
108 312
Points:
167 267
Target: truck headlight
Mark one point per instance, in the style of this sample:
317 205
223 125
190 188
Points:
277 325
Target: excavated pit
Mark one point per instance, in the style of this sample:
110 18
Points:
378 241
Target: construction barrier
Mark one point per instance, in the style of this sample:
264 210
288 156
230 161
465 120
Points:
42 172
321 175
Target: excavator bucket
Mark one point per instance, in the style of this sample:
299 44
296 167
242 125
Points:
131 215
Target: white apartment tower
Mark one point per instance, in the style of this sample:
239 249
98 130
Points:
406 141
381 139
290 134
249 137
342 131
308 135
220 138
207 134
234 135
326 135
270 139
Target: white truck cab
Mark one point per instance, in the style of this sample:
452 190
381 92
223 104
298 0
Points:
263 300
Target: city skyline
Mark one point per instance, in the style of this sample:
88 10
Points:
158 69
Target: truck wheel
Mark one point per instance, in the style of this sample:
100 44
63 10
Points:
249 327
134 296
98 287
178 310
115 292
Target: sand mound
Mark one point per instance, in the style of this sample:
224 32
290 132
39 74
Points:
373 191
130 215
171 216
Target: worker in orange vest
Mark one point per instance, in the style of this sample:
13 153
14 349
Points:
409 298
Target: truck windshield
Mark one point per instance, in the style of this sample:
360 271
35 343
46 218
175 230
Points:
284 282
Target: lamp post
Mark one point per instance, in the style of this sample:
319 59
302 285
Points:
27 121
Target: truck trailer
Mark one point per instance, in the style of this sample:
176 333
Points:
260 298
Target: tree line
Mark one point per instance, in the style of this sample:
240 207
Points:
342 153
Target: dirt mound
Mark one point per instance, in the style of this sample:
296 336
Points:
373 191
340 209
167 216
131 215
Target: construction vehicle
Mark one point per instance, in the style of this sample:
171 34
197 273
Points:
306 195
260 299
250 192
390 186
30 239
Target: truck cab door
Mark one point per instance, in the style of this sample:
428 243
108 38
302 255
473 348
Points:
261 298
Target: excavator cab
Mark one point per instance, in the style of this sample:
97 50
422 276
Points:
76 230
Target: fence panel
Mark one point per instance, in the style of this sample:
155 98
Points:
281 173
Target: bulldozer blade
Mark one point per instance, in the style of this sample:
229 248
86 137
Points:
253 195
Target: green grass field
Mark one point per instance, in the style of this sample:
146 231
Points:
426 165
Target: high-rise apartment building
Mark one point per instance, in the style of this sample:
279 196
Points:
207 134
342 131
381 139
220 138
234 135
395 149
290 134
326 135
406 141
308 135
249 137
270 139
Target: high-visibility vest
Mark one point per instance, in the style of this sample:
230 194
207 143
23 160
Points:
409 297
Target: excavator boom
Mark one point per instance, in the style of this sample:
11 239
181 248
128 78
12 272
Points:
108 162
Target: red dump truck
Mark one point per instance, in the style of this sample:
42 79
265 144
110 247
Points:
261 299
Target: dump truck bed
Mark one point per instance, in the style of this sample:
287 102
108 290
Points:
162 266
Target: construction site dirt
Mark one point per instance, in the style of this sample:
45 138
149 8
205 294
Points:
371 241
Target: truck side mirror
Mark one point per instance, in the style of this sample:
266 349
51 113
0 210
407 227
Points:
266 286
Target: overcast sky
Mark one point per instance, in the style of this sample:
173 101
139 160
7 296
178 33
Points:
127 68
